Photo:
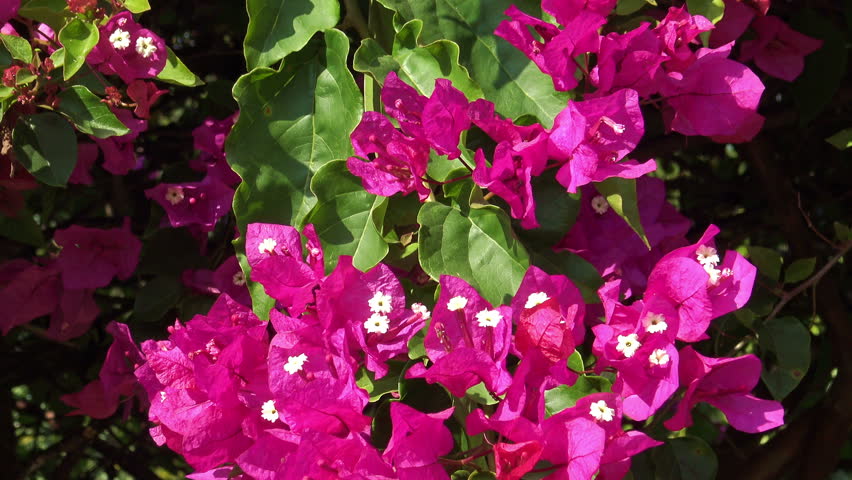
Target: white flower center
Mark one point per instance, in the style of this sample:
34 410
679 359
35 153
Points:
715 273
268 411
174 195
456 303
616 127
488 318
239 279
421 310
659 357
628 344
119 39
377 323
380 303
600 205
267 245
601 411
707 256
162 396
536 299
145 46
295 363
655 323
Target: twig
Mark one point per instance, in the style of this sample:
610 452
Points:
811 225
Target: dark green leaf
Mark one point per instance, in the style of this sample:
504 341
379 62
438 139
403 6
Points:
51 12
841 140
156 298
278 28
824 70
481 475
843 232
627 7
790 342
581 272
799 270
555 209
22 228
89 114
176 73
620 193
78 38
46 145
767 261
685 458
563 396
17 47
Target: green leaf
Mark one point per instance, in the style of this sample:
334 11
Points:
46 145
89 114
137 6
383 386
278 28
799 270
790 343
620 193
78 38
842 139
767 261
712 10
555 209
575 362
843 232
504 74
17 47
627 7
176 73
563 396
479 394
482 475
416 349
416 65
347 218
22 229
51 12
479 247
825 69
156 298
685 458
292 122
582 273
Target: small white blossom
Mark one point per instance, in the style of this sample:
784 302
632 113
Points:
628 344
655 323
659 357
267 245
162 396
601 411
536 299
268 411
456 303
119 39
616 127
707 255
377 323
380 303
488 318
421 310
600 205
145 46
239 279
174 195
295 363
715 274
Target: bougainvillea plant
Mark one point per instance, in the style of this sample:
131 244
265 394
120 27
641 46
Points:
414 240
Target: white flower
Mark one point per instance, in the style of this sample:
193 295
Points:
655 323
628 344
456 303
268 411
707 256
488 318
616 127
377 323
380 303
421 310
601 411
659 357
536 299
119 39
715 274
600 205
267 245
174 195
162 396
145 46
295 363
239 279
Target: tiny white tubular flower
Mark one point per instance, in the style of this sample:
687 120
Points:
628 344
707 255
659 357
174 195
162 396
601 411
267 245
268 411
295 363
715 274
377 323
380 303
145 46
456 303
119 39
536 299
239 279
421 310
655 323
615 126
600 205
488 318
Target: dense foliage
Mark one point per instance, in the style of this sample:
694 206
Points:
396 239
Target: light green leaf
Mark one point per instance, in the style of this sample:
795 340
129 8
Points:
46 145
383 386
137 6
841 140
767 261
347 218
479 247
790 343
712 10
799 270
78 39
620 193
479 394
176 73
89 114
278 28
17 47
564 396
51 12
685 458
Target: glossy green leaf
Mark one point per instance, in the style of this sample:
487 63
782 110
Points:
176 73
841 140
137 6
347 218
767 261
555 209
89 114
51 12
417 65
78 38
790 343
156 298
479 247
278 28
46 145
507 77
620 193
383 386
685 458
799 270
564 396
17 47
